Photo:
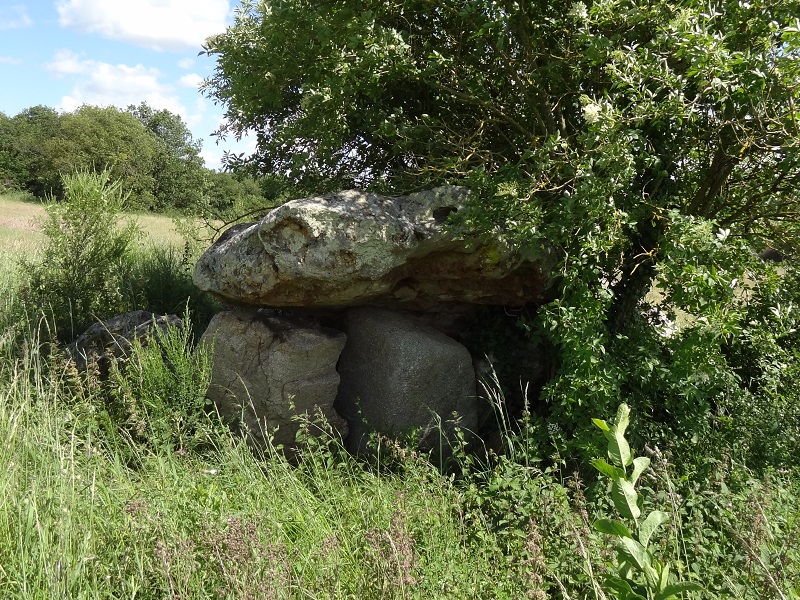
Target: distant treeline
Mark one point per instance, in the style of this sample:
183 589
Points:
151 152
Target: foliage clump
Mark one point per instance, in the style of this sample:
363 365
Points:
640 574
156 395
79 277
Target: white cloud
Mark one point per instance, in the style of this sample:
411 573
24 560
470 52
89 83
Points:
66 62
196 118
10 60
212 158
14 17
154 24
186 63
192 80
104 84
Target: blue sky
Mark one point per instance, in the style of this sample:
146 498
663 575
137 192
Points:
65 53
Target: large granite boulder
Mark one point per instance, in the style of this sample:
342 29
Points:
400 377
355 248
266 370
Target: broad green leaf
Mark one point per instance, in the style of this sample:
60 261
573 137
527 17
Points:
620 587
624 497
650 525
631 550
625 568
612 528
607 469
651 575
639 465
618 448
623 418
662 585
673 590
601 424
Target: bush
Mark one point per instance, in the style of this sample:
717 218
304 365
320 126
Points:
159 280
80 276
157 394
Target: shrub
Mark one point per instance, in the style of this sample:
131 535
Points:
80 275
157 394
159 280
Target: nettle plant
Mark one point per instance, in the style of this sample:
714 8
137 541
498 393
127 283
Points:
640 574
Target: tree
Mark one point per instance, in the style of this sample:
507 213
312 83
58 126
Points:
152 152
23 141
624 141
10 167
180 178
99 138
39 145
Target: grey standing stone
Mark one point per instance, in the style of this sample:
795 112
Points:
267 370
397 375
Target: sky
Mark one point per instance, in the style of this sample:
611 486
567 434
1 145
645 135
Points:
65 53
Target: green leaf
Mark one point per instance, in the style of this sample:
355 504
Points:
623 418
639 465
618 448
607 469
662 584
632 551
678 588
620 587
610 527
650 525
601 424
624 497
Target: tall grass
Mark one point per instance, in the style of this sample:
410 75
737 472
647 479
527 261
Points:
77 521
80 519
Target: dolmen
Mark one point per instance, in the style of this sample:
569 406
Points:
347 307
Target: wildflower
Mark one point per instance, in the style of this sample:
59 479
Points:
578 11
592 112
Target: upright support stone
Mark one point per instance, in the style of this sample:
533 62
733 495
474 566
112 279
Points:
266 370
400 377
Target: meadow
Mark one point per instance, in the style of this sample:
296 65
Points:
129 486
21 217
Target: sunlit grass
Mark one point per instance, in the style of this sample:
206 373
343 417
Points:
21 218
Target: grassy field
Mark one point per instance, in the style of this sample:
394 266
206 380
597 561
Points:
21 217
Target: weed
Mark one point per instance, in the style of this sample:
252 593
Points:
640 574
158 392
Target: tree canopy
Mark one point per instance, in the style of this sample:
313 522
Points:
150 152
626 142
178 174
688 105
